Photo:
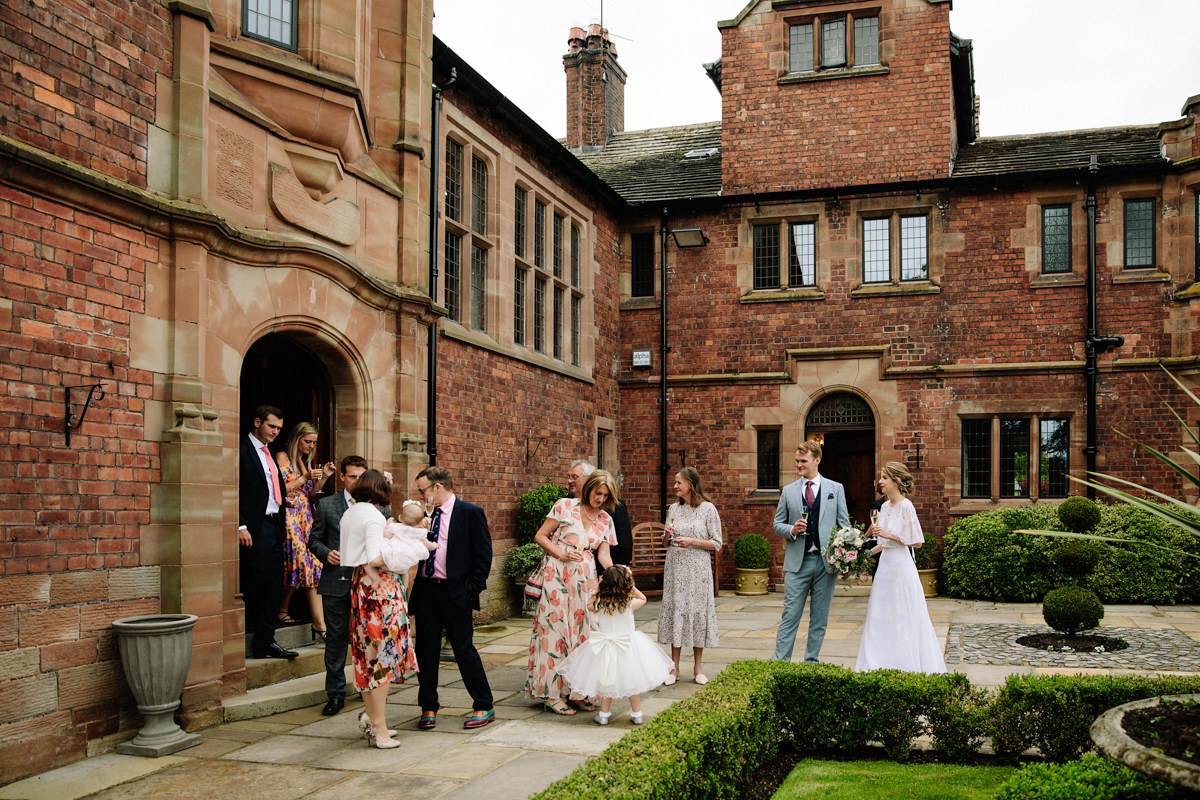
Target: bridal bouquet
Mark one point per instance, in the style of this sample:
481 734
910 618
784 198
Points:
847 551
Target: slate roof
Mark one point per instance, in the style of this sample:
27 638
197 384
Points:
1067 150
648 166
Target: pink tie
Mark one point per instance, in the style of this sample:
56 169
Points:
808 495
274 476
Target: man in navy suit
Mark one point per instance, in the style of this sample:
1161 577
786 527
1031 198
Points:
261 529
809 510
325 544
445 591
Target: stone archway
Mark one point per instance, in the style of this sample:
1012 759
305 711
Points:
845 425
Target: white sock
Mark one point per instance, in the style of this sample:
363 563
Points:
635 715
604 714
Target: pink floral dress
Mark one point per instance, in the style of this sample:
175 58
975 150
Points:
563 620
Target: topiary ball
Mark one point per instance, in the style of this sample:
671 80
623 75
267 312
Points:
752 551
1077 559
1072 609
1078 514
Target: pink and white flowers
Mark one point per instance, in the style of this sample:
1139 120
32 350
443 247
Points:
846 551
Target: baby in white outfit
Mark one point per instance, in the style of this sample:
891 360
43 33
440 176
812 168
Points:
405 543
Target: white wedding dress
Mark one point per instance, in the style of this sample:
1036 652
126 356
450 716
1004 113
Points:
615 660
898 633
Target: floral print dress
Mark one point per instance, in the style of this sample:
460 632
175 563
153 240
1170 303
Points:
563 620
300 567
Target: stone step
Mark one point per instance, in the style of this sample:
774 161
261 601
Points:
285 695
266 671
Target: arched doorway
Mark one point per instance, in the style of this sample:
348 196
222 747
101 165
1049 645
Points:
281 371
843 422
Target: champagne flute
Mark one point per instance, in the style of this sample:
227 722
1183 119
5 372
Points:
670 522
804 517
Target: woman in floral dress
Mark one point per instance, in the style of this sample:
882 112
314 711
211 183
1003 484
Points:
575 535
300 568
380 640
688 617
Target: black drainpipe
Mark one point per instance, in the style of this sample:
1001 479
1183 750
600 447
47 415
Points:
434 207
663 466
1094 343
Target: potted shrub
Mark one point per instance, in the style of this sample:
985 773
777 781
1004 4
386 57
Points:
521 561
927 566
752 560
532 508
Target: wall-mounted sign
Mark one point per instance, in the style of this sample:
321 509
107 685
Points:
641 358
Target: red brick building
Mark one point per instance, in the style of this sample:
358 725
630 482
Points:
208 205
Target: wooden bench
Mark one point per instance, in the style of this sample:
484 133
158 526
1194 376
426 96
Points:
650 558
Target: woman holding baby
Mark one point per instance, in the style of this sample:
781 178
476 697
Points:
379 633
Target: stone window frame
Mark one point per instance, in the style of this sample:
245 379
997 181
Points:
816 23
764 461
560 294
896 284
628 275
784 217
507 171
292 42
1030 237
994 411
1155 204
478 246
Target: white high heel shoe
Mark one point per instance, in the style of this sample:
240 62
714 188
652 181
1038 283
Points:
364 725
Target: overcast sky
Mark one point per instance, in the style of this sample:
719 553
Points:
1040 65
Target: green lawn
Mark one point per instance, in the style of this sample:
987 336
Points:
886 780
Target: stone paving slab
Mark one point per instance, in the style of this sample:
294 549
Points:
292 752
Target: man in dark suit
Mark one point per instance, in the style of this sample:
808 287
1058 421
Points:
445 591
260 530
325 542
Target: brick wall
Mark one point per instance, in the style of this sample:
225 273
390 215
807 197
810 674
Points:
83 84
842 131
69 535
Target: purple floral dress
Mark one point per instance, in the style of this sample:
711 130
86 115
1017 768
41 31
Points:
300 567
563 619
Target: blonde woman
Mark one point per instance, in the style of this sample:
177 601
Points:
576 535
301 478
898 633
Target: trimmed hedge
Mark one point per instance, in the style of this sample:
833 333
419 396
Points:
708 744
1092 777
984 559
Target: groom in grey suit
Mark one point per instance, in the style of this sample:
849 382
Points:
805 571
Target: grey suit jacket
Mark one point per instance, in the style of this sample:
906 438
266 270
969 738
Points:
326 535
834 514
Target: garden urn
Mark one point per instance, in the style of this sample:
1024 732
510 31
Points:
156 651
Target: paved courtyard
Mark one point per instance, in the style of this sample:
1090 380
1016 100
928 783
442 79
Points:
300 754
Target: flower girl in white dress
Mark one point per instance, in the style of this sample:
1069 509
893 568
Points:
898 633
615 660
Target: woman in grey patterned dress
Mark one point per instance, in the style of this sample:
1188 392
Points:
689 616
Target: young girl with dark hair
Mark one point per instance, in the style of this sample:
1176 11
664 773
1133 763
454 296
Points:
615 660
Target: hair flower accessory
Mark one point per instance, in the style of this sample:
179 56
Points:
410 502
387 476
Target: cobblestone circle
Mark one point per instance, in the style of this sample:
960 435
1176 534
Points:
1149 648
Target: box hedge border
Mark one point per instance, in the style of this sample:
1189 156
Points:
707 745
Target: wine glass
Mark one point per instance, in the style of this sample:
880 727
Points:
670 522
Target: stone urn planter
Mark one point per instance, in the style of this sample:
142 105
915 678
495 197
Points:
156 651
751 582
751 561
928 581
1108 733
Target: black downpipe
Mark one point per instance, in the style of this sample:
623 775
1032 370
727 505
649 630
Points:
1094 343
434 207
663 466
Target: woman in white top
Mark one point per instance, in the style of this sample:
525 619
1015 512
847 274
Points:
898 633
379 634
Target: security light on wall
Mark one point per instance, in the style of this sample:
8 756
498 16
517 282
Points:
689 237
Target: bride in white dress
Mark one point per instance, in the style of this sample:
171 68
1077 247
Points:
898 633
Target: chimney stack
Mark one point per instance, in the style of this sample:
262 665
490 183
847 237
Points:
595 89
